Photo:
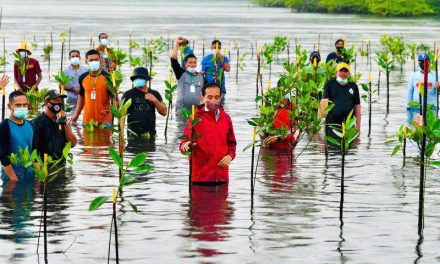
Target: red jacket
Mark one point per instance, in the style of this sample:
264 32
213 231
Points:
282 119
217 140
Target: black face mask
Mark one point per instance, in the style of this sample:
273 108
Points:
339 49
422 65
56 107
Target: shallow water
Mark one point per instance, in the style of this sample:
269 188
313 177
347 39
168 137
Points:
296 211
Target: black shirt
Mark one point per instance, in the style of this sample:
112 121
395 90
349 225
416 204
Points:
48 137
333 56
178 71
344 97
141 114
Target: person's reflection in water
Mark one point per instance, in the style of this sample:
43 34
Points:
209 216
138 144
280 169
16 205
97 138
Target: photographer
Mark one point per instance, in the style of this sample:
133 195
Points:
51 133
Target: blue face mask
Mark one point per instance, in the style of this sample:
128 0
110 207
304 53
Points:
139 83
341 81
21 112
74 61
191 70
94 65
23 54
104 42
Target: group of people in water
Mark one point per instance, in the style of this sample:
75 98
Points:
211 141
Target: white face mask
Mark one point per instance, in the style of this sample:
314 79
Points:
74 61
104 42
341 81
191 70
94 65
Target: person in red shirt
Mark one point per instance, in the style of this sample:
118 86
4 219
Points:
282 119
32 78
213 152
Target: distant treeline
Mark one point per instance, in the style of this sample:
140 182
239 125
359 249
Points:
376 7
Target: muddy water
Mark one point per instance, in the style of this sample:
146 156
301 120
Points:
296 206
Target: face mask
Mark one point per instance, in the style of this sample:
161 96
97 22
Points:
139 83
74 61
104 42
21 113
23 54
94 65
422 65
56 107
339 49
213 105
191 70
341 81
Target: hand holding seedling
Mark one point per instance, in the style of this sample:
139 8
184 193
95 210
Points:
225 161
151 98
4 81
186 146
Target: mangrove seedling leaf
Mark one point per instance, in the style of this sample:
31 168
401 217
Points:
138 160
127 181
184 137
332 140
395 150
115 156
134 207
97 202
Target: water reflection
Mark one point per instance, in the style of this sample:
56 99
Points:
17 202
209 215
279 170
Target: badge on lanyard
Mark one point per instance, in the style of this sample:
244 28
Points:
93 95
192 88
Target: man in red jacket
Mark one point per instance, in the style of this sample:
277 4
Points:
215 149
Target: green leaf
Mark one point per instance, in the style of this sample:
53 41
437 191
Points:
127 180
143 169
196 120
138 160
184 137
197 136
186 113
332 140
134 207
436 163
414 104
115 156
252 122
395 150
97 202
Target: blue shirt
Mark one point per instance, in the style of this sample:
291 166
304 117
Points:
208 67
413 90
14 137
74 84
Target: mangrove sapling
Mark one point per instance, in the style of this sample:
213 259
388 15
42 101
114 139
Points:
349 54
63 39
368 99
258 71
119 57
237 46
412 52
192 121
346 133
402 135
47 51
396 46
386 64
170 89
3 101
127 169
151 54
21 65
63 80
436 56
34 44
46 171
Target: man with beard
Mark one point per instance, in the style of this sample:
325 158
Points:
214 150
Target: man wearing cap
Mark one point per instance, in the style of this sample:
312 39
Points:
214 72
144 102
417 79
32 77
336 56
51 133
190 81
345 97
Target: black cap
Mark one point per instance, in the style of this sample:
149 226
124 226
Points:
52 94
140 72
315 54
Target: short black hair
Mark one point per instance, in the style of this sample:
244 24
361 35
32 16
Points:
92 52
211 85
189 56
72 51
215 41
14 94
100 34
336 42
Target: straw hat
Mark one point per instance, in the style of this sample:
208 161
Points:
24 46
